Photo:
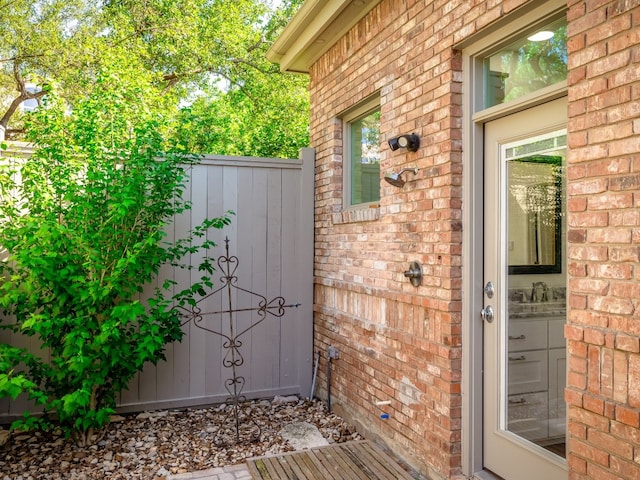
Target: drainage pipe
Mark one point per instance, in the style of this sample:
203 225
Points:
328 382
315 375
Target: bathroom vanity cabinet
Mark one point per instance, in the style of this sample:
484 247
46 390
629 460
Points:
536 377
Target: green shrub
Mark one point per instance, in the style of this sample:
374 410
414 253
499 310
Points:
82 221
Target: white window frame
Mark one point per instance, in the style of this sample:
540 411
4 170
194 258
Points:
364 108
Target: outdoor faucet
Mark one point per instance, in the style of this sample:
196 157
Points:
540 292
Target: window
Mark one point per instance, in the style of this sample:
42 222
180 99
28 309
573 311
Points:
362 154
534 61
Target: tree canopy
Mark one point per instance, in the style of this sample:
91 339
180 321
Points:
207 57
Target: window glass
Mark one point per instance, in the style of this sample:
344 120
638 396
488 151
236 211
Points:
364 154
531 63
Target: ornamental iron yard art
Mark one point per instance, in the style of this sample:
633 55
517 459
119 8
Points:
233 358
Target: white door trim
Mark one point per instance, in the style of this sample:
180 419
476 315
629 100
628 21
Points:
472 276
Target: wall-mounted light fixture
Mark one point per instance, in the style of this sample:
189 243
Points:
410 141
396 179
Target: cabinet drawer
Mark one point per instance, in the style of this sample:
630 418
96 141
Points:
528 371
527 415
527 334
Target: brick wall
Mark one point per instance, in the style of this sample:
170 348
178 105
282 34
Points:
402 344
603 333
397 343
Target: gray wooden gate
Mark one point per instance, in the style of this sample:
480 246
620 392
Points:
272 235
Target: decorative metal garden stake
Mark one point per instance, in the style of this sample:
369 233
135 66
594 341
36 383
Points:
233 358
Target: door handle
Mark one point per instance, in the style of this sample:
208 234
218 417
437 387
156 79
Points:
487 314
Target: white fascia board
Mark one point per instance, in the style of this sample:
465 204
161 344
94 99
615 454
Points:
317 26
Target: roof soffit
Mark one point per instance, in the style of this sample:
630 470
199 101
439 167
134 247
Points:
317 26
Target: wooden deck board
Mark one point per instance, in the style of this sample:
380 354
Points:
360 470
324 467
333 458
302 469
361 460
369 465
282 469
388 468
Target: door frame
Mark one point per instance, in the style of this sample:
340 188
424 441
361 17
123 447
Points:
473 50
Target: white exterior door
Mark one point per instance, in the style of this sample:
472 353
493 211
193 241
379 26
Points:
524 302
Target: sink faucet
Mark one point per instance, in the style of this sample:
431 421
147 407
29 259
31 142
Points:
540 292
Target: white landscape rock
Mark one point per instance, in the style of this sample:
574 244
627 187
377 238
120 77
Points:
280 400
302 435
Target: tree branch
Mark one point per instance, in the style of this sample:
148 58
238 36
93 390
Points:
258 44
22 57
7 4
24 95
252 65
173 78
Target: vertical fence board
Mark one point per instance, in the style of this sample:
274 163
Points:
197 340
259 366
165 375
304 262
290 270
181 365
275 260
216 207
247 216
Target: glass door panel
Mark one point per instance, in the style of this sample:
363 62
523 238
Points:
525 311
536 290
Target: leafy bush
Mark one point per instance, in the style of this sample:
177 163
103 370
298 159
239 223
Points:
82 223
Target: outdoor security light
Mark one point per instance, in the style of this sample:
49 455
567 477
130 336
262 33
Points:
410 141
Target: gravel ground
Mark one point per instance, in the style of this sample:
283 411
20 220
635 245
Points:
152 445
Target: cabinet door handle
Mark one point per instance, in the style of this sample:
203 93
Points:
519 337
515 359
520 401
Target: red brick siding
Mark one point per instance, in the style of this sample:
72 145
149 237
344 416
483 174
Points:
397 342
404 344
603 391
